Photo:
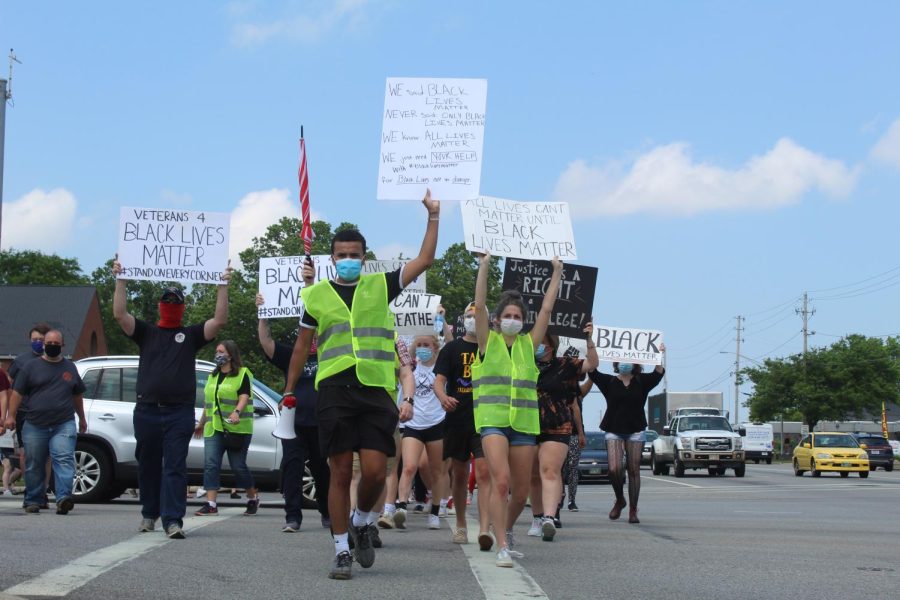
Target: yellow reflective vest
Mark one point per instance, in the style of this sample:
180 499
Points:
504 385
362 338
228 399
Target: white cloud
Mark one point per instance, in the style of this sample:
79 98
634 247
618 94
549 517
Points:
254 214
309 27
667 180
887 149
39 220
389 251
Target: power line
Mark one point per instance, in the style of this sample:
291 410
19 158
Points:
856 282
865 290
785 343
724 325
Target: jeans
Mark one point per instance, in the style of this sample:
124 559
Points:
516 438
59 442
295 454
213 450
163 434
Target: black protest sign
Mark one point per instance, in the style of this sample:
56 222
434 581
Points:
574 303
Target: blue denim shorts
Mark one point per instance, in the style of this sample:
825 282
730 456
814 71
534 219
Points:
628 437
516 438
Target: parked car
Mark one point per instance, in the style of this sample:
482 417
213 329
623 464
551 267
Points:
895 445
647 452
879 450
594 462
830 451
105 464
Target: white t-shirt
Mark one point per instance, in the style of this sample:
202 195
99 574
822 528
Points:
427 410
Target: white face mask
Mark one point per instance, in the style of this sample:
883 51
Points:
469 323
510 326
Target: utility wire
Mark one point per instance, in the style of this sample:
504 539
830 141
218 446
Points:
855 283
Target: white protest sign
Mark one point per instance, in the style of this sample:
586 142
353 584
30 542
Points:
534 230
280 282
414 313
325 270
620 344
432 137
173 245
570 346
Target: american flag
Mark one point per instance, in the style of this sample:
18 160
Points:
306 232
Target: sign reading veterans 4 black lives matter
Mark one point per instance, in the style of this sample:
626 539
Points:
574 303
536 230
618 344
432 137
173 245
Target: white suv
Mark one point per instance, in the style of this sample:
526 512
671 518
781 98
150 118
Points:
105 465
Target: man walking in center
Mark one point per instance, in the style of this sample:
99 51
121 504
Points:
355 380
166 392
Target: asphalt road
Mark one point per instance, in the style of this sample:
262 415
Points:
768 535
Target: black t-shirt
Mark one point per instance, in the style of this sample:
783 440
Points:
243 389
50 387
14 369
455 363
166 370
305 389
394 288
557 388
625 405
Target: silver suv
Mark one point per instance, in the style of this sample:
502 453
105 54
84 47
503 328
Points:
105 465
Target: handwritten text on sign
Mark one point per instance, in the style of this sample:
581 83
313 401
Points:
414 313
325 269
618 344
538 230
173 245
574 302
432 137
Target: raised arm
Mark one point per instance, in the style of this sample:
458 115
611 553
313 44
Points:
120 302
417 266
213 326
482 321
264 333
543 317
592 359
586 386
661 367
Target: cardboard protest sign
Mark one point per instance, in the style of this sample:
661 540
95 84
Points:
534 230
574 347
173 245
432 137
574 303
619 344
280 282
414 313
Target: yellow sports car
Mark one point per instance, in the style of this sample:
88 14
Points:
830 451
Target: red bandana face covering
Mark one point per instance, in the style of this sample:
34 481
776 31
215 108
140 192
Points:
170 315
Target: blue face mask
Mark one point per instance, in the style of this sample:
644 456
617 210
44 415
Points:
625 368
423 354
37 346
348 269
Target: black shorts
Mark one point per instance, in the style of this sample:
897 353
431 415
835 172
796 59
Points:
434 433
20 421
562 438
461 444
355 417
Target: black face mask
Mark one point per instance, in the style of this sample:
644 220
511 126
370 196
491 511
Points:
52 350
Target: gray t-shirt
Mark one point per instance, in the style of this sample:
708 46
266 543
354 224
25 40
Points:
50 387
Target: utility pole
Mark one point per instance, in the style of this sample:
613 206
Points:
5 96
806 313
737 369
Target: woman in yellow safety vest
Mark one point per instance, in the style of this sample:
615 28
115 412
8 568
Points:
227 426
504 380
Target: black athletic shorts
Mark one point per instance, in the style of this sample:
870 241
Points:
562 438
355 417
429 434
462 444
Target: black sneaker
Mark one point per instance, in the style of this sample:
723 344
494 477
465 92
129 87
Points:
207 510
362 545
46 503
174 532
341 568
64 505
252 506
375 536
556 522
32 508
573 507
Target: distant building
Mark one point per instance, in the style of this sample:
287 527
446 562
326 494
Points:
73 309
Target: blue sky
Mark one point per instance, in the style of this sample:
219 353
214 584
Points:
720 158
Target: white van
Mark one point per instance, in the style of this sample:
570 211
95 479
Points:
758 442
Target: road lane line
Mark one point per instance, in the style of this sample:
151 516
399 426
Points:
499 582
690 485
68 578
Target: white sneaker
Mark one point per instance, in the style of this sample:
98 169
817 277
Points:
400 518
535 529
548 529
442 512
511 543
200 492
504 559
434 522
7 492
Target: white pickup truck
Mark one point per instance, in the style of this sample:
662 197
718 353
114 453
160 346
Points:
698 442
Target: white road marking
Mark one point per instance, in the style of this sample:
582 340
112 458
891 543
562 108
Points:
499 582
690 485
767 512
68 578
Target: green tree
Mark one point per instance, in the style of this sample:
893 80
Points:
849 379
452 276
30 267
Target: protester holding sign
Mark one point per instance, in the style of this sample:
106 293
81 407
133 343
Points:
558 389
504 379
166 392
356 379
624 423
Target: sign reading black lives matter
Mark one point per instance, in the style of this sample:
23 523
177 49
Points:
173 245
619 344
574 303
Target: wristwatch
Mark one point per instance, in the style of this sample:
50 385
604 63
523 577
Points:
410 400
